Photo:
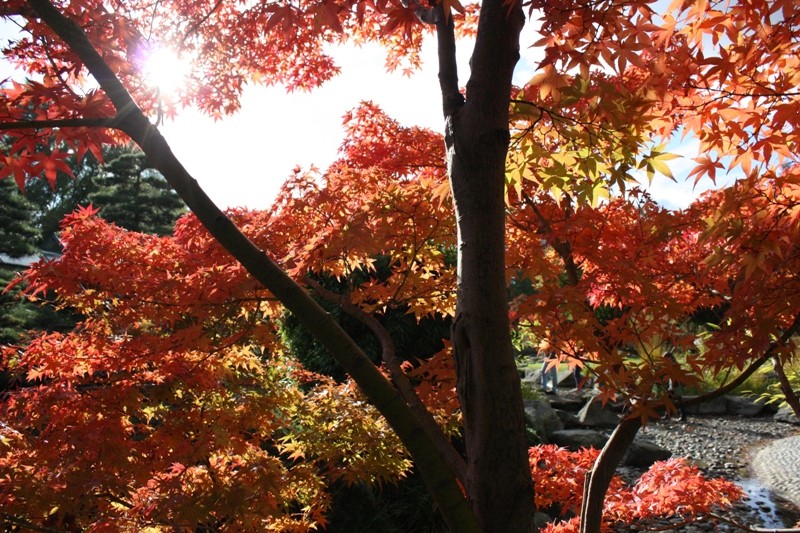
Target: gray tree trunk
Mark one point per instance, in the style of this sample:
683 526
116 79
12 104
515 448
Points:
498 477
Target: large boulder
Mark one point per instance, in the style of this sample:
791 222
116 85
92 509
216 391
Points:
596 415
643 453
564 402
741 406
542 418
575 439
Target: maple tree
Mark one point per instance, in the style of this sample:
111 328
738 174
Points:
189 386
616 78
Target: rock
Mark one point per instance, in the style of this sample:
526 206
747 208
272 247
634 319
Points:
565 403
569 420
533 377
785 414
575 439
768 408
741 406
643 453
540 520
717 406
542 418
595 414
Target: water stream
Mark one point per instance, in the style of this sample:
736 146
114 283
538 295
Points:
759 501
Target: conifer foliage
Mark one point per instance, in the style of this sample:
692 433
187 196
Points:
134 196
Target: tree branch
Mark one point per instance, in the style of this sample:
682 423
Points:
73 35
452 98
562 248
790 331
489 85
786 387
399 378
440 479
597 483
61 123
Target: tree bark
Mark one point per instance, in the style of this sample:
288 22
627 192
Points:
499 482
786 387
594 493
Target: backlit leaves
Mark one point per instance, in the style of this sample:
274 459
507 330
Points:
173 402
669 490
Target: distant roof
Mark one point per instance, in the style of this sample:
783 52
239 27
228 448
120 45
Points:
27 260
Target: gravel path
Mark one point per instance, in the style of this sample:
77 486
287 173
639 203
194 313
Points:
778 466
726 446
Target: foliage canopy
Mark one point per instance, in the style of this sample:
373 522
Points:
179 335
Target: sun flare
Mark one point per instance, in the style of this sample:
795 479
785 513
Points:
166 70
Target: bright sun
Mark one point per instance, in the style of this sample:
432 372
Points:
165 70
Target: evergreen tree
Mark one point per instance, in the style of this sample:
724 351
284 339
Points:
134 196
18 238
52 204
18 234
127 192
125 189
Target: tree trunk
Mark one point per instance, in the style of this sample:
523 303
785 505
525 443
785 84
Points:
499 482
594 493
786 387
499 487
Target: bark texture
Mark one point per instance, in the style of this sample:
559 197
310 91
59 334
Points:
594 493
498 477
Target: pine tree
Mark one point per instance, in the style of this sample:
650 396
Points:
18 234
134 196
52 204
18 238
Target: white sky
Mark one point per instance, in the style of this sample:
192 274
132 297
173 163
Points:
242 159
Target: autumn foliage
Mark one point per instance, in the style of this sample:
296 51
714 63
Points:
176 404
171 407
670 490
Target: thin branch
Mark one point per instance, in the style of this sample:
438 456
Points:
399 378
193 29
786 386
117 499
562 248
774 345
61 123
